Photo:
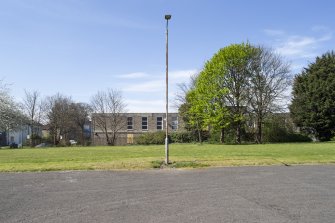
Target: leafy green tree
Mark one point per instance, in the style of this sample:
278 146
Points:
207 105
221 91
313 97
194 114
191 126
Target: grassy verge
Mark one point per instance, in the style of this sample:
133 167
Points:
182 156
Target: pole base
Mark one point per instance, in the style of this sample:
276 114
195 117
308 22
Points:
166 151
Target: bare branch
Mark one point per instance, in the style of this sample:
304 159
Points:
108 107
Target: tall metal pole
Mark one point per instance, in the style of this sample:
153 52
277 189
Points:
167 17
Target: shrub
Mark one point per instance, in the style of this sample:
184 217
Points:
182 137
157 164
148 138
294 137
229 136
214 137
276 131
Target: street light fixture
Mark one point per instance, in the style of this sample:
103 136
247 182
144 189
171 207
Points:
167 18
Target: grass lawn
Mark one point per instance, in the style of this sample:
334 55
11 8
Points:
145 157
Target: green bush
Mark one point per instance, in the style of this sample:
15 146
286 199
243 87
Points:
294 137
182 137
276 131
282 136
229 136
157 164
214 137
148 138
159 138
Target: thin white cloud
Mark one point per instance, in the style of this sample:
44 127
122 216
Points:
135 75
155 83
153 88
321 29
299 46
326 37
179 76
144 102
145 86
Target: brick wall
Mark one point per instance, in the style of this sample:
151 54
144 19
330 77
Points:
134 124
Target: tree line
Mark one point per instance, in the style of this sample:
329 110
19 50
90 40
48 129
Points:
244 82
65 119
239 84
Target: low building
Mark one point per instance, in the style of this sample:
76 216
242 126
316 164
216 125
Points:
20 136
134 124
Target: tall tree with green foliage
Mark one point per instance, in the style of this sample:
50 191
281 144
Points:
313 98
192 113
222 87
207 103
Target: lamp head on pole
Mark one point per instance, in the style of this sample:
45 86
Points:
167 17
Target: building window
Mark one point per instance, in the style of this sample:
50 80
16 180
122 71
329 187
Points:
159 123
174 122
144 123
129 123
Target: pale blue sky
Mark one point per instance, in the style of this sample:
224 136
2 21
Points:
77 47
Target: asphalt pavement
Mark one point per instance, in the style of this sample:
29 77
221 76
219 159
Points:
231 194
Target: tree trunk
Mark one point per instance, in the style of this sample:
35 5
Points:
32 144
199 133
113 139
238 132
222 136
107 138
259 131
82 137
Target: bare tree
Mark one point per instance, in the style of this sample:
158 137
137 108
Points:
183 89
10 115
108 107
32 107
269 81
60 117
183 105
